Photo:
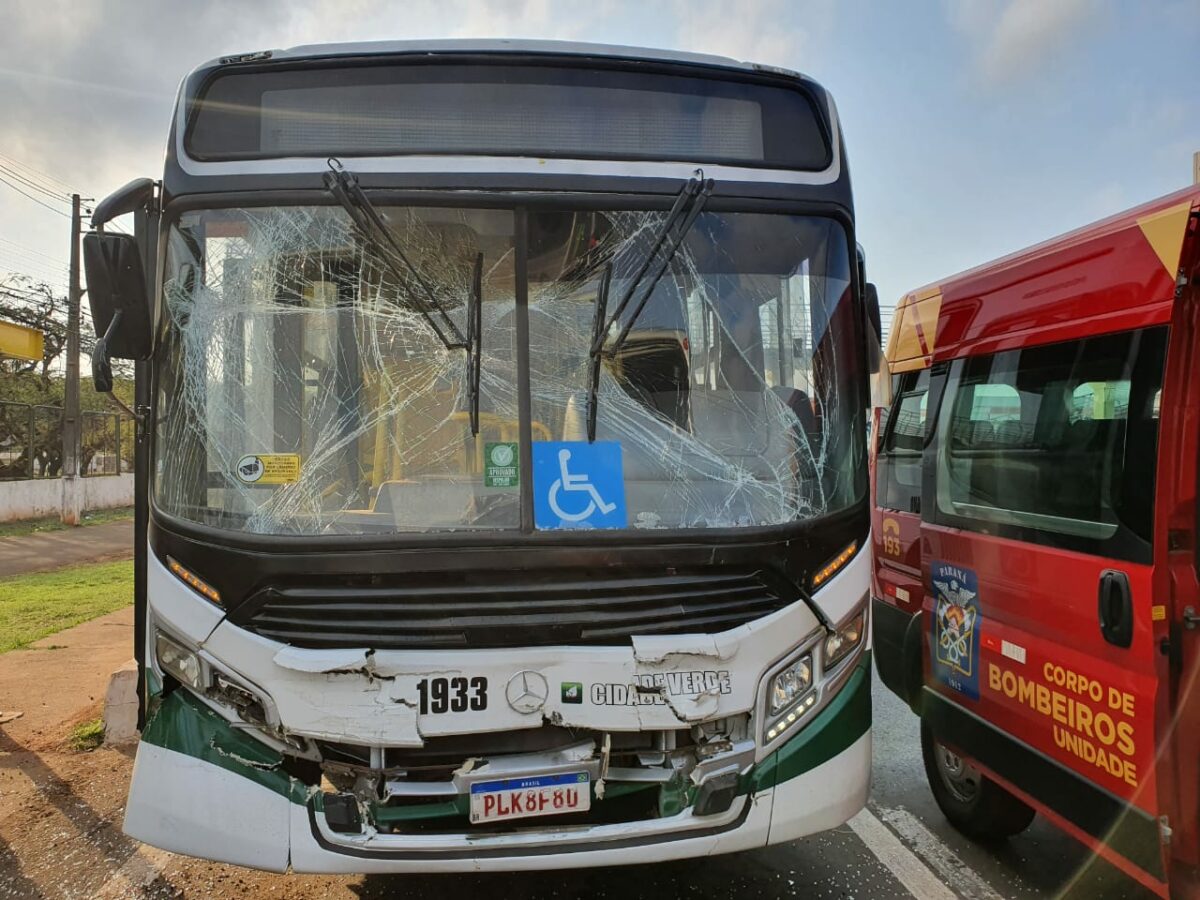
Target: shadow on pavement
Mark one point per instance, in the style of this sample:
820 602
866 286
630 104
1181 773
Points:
102 833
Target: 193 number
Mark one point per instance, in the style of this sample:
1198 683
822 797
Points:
442 695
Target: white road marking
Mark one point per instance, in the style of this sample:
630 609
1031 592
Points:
143 866
917 878
933 851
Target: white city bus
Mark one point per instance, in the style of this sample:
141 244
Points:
502 472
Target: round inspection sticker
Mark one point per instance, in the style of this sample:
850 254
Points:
249 469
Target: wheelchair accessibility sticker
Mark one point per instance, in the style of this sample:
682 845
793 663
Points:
578 485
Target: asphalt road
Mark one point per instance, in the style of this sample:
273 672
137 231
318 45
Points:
71 547
1039 862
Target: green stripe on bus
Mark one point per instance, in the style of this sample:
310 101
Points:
185 725
834 730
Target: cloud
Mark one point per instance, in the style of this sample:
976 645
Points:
1014 39
762 31
87 89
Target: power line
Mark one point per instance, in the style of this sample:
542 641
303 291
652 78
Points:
21 292
35 274
32 258
41 262
34 185
38 174
28 178
65 215
53 282
15 249
24 261
31 288
33 172
30 251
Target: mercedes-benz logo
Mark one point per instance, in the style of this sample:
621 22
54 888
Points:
526 692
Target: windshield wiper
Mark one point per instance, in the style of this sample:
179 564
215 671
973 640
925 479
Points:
684 211
475 341
375 234
598 322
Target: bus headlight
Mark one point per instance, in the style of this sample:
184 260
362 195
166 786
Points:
791 696
790 684
186 667
178 662
843 641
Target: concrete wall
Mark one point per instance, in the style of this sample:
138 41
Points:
39 497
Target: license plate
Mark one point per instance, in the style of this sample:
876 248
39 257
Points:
519 798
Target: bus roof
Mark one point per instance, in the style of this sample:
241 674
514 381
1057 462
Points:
494 45
240 141
1112 275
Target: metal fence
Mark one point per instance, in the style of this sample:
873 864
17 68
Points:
31 442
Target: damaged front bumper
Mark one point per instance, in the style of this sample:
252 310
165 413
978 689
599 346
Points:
277 757
204 788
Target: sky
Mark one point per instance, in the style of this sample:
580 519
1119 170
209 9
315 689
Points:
973 127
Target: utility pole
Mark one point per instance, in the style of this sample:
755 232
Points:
71 486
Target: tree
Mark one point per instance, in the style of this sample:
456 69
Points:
37 305
37 433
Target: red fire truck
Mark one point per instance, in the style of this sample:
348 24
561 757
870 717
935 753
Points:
1035 590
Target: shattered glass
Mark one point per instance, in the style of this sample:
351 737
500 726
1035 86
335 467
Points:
302 390
734 396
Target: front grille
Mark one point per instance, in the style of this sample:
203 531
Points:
441 756
521 609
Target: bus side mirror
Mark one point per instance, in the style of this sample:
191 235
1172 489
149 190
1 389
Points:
116 291
875 338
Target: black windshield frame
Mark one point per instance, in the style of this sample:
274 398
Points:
520 203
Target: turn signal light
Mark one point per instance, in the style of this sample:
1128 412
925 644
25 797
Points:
197 584
834 566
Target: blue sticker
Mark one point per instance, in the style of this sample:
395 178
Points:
956 627
578 485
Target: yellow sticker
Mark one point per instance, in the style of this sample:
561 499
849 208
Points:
1158 613
269 468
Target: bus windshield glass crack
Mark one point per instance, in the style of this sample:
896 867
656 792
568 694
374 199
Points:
302 389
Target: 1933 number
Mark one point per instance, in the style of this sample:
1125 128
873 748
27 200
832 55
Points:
442 695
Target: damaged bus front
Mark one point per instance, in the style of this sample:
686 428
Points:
502 467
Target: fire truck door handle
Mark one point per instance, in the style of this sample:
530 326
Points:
1116 608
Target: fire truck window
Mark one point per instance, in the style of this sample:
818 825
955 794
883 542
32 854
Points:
898 465
1055 444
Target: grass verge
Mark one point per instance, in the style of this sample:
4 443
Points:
22 527
86 735
33 606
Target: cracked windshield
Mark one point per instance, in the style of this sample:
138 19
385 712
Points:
309 387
